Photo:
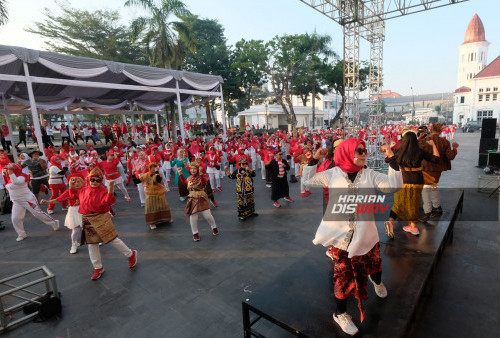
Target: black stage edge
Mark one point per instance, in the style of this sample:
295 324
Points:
301 300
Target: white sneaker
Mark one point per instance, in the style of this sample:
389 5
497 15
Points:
50 212
21 237
56 227
74 248
142 205
380 289
345 323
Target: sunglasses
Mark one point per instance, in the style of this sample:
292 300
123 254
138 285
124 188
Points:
361 151
95 180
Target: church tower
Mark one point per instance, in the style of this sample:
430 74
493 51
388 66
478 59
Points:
473 53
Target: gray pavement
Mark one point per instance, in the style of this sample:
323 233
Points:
185 289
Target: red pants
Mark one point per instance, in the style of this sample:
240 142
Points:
57 190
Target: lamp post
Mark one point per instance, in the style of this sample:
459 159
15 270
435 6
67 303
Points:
413 110
267 117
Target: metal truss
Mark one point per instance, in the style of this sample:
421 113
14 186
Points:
366 19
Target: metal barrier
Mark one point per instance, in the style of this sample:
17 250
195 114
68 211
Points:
7 320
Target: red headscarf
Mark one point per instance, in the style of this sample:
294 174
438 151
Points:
345 153
54 163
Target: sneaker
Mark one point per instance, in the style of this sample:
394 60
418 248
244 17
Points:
196 237
380 289
21 237
308 192
215 231
128 199
182 199
412 230
219 188
132 260
329 254
268 185
214 204
50 212
276 204
152 226
426 217
56 226
213 190
288 199
303 194
389 230
142 205
97 273
345 323
437 211
74 248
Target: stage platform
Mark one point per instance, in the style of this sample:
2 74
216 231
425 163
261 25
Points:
301 299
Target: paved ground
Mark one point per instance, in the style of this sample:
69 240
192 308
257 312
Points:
186 289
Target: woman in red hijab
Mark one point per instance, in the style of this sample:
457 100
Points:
56 181
352 235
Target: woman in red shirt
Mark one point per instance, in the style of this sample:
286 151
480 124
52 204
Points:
110 168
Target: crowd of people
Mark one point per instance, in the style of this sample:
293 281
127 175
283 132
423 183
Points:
84 182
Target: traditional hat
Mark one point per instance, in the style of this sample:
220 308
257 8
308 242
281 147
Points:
243 160
96 172
35 151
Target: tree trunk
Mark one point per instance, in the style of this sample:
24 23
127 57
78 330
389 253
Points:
207 113
304 100
174 123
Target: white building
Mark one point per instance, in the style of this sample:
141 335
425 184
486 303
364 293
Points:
477 95
424 116
274 117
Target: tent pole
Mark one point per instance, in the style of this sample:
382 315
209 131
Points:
157 125
223 112
133 128
179 108
9 125
34 113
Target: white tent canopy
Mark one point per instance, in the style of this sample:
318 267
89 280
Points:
47 80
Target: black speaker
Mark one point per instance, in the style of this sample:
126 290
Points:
486 144
483 160
494 159
489 128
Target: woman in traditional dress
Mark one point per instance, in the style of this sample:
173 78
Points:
278 168
197 200
157 209
407 200
73 218
95 202
181 162
244 189
353 235
139 168
112 174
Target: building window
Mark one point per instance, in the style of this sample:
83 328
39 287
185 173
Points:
481 114
462 99
487 89
480 98
480 90
487 97
495 89
494 97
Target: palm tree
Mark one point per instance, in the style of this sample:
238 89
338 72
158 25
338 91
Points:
164 38
4 17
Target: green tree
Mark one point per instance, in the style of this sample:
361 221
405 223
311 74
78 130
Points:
164 38
437 108
4 15
334 79
250 60
286 56
311 75
91 34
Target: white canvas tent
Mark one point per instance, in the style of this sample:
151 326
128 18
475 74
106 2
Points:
51 81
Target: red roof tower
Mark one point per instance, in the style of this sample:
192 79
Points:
475 31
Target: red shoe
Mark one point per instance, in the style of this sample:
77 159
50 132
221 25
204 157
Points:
132 260
196 237
288 199
219 188
215 231
214 204
308 192
304 194
97 273
213 190
412 230
276 204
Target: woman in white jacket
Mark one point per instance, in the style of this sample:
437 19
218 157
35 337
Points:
352 237
23 199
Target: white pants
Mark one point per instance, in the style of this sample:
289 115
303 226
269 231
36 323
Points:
120 185
254 161
166 168
214 178
19 211
76 234
430 197
193 220
263 169
142 193
95 253
120 170
303 187
297 168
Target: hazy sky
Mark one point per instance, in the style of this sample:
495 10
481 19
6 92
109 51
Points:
420 50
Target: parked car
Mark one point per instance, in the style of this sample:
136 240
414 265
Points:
471 126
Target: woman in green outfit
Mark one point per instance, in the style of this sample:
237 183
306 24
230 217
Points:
181 162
